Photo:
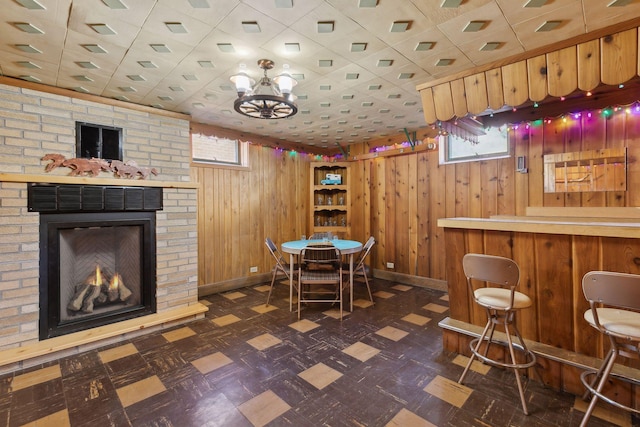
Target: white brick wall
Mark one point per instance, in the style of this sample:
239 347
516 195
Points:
33 124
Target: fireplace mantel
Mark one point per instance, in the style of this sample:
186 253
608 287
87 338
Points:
65 179
151 137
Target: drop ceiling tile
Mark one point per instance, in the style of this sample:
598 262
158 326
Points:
598 15
161 14
56 11
370 62
53 32
285 16
381 23
211 16
74 47
95 12
308 47
343 25
339 75
516 13
572 26
231 24
510 45
125 22
407 47
480 57
11 67
441 14
490 12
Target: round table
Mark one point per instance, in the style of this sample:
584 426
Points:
346 247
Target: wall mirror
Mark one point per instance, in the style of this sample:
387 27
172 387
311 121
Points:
592 170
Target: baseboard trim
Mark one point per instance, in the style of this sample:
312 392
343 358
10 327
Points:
243 282
407 279
229 285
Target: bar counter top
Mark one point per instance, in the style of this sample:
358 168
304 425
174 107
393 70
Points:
606 227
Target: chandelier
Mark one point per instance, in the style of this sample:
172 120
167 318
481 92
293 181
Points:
266 99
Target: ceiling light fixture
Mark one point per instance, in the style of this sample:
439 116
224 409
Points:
266 99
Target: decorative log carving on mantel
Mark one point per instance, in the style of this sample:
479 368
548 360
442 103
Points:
587 65
92 167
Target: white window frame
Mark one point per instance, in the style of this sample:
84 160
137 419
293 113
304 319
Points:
493 145
214 151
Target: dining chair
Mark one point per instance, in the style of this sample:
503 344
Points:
614 301
281 266
361 269
320 276
501 301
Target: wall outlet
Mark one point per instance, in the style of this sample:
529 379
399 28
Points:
253 269
390 265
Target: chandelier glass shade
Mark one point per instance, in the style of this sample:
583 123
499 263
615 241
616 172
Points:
267 98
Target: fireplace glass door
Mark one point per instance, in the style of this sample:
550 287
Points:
100 268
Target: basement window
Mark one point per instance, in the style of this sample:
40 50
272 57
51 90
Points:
216 151
493 144
98 141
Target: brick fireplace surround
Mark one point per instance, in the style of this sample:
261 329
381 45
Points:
34 123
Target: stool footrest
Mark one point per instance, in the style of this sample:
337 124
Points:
529 355
584 377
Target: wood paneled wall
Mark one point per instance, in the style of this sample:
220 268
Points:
408 193
396 199
238 209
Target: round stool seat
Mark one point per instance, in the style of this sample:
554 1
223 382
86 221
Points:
623 323
500 299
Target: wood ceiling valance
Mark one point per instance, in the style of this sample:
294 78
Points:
610 59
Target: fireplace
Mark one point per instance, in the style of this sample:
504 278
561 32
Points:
97 255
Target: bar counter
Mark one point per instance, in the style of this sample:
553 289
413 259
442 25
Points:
553 254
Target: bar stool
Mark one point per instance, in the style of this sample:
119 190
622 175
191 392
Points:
611 296
501 302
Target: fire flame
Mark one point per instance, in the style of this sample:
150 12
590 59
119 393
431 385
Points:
98 279
115 282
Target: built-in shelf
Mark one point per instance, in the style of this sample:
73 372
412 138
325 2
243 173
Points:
330 201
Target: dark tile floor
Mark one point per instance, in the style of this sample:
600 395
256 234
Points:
246 364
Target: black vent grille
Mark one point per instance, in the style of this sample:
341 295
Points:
52 198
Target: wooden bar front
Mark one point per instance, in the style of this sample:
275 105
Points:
553 255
